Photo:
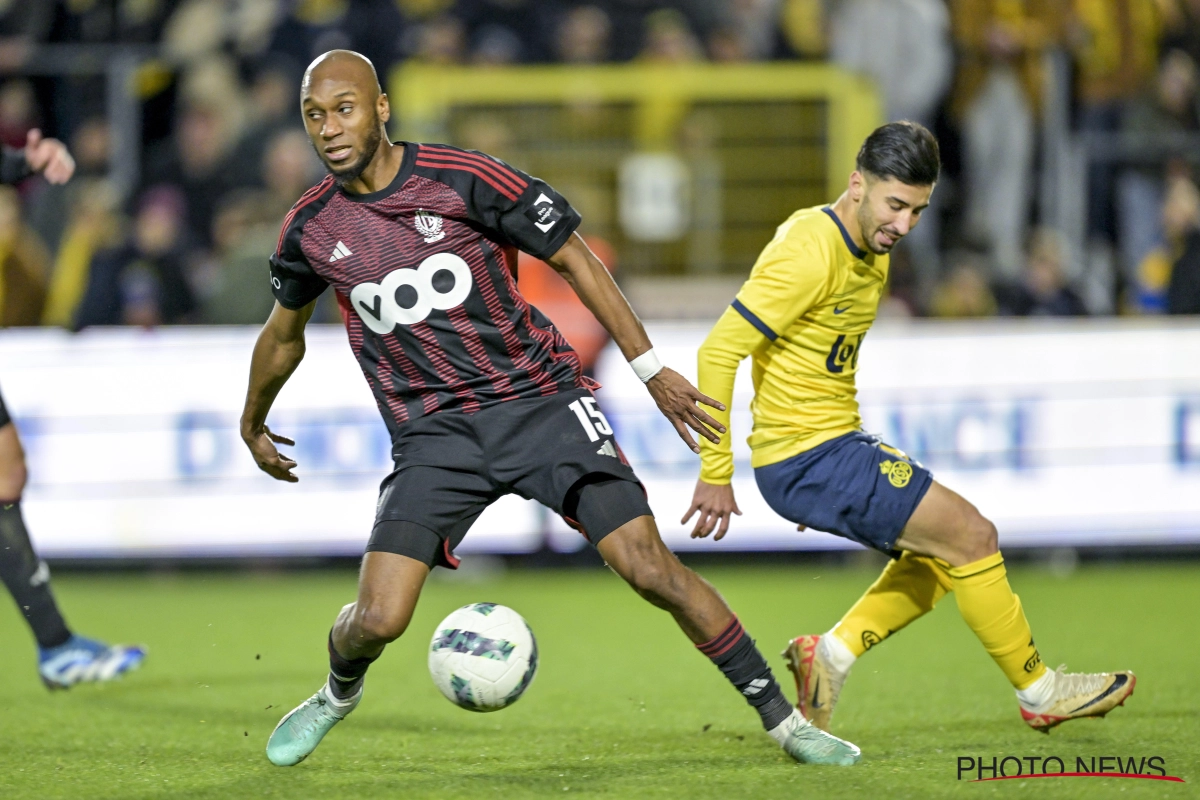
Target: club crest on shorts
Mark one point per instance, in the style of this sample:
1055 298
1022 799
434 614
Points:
899 472
429 225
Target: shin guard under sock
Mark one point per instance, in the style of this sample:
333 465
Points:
909 588
345 674
990 608
734 653
28 579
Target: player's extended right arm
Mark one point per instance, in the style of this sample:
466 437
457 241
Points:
277 353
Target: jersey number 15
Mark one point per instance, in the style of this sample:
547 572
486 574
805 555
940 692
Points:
591 418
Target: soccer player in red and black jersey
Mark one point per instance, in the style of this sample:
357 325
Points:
482 396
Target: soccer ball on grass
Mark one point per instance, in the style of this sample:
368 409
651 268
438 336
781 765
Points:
483 657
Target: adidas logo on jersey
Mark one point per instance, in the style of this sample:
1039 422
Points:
607 450
340 252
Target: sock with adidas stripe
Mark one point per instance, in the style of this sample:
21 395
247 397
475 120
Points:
735 654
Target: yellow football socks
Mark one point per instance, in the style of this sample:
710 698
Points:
908 588
990 608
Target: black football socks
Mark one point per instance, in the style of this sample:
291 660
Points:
734 653
345 674
28 579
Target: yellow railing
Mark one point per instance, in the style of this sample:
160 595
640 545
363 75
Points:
758 141
422 96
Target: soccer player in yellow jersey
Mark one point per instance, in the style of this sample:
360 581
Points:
802 316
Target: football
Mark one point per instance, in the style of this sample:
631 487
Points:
483 657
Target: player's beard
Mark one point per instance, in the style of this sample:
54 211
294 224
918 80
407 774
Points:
370 143
866 224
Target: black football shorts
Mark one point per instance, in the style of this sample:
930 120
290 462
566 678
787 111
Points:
558 450
4 417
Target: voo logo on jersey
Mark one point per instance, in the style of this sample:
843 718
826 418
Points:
389 303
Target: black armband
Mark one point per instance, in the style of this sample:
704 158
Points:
13 166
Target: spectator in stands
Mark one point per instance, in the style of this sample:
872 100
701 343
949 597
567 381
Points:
1001 43
107 21
725 45
308 29
1043 290
904 47
243 231
24 266
1181 220
273 106
496 45
965 291
198 28
289 169
22 26
1115 43
93 224
752 28
143 281
804 27
1181 26
1169 110
583 36
442 40
50 205
18 112
196 159
669 39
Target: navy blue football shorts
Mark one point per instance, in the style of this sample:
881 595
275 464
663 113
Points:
449 467
854 486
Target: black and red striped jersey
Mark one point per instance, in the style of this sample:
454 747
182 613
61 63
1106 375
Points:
424 275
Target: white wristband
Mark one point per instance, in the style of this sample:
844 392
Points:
647 365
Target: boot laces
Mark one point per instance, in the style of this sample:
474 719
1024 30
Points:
1073 684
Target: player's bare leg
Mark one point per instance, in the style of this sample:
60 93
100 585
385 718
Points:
949 528
388 588
636 552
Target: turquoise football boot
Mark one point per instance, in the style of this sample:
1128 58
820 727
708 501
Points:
808 744
299 733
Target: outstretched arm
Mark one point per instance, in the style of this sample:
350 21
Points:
676 398
277 353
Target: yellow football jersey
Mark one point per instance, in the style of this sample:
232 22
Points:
803 314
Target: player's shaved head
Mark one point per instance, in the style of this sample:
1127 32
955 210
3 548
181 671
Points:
343 65
344 112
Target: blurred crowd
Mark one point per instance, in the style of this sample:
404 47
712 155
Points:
224 154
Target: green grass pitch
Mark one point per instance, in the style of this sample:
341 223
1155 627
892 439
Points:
623 706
